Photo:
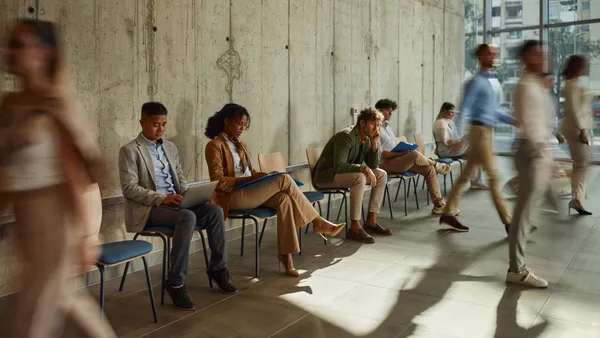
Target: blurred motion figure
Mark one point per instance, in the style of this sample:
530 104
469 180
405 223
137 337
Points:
49 167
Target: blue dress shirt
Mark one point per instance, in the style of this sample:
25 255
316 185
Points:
162 169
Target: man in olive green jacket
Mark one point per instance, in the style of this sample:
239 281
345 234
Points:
341 166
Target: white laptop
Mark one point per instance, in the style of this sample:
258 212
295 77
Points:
197 194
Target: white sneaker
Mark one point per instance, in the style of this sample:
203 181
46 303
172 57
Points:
527 278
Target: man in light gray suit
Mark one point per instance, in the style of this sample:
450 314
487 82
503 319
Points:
153 186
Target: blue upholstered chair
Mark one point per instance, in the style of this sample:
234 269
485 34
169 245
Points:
118 253
166 235
256 214
275 162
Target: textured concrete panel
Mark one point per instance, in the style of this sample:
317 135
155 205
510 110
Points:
453 62
324 114
303 77
386 60
217 64
411 68
433 58
353 48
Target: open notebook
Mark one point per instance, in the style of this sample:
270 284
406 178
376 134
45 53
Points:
266 177
403 146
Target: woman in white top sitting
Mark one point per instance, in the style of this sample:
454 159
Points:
576 123
229 163
449 143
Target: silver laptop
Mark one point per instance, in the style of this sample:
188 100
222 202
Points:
198 194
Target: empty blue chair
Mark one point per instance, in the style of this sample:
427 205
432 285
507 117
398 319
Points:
117 253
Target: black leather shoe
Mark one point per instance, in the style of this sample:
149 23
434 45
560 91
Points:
221 278
180 298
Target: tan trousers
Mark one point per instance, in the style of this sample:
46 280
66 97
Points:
293 209
479 155
49 305
357 183
416 162
580 154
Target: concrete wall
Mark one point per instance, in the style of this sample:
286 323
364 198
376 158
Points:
297 65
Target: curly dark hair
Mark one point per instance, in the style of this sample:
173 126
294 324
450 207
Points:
386 103
369 114
216 123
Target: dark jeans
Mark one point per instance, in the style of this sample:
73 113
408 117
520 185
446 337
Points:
185 222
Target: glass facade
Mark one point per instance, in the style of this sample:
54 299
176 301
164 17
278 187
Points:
569 27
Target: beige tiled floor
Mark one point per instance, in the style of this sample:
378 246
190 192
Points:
421 282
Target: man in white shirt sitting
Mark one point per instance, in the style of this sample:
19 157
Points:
414 161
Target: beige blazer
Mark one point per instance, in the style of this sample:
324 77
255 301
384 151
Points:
138 182
221 168
578 113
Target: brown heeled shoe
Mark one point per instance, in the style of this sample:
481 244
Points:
283 260
332 233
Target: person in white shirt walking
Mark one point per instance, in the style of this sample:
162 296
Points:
533 161
577 122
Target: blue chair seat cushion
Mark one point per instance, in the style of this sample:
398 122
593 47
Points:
261 212
313 196
117 252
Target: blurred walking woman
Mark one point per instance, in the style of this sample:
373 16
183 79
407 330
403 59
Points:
577 122
48 173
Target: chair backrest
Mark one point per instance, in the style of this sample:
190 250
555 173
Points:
420 143
271 162
312 156
435 151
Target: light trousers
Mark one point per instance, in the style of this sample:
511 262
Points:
283 194
461 149
416 162
479 155
533 169
580 154
49 304
357 183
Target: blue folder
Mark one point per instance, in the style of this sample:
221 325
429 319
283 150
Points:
266 177
403 146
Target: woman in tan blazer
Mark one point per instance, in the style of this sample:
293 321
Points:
577 122
229 163
49 167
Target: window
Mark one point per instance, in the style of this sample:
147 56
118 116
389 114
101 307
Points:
563 40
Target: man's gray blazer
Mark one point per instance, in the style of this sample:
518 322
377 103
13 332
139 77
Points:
136 171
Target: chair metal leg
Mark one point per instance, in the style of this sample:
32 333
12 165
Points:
340 211
163 282
124 276
346 218
398 190
150 289
415 192
445 189
262 231
243 235
300 240
210 283
451 181
257 245
409 186
328 205
320 211
387 192
405 201
169 242
101 269
126 269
